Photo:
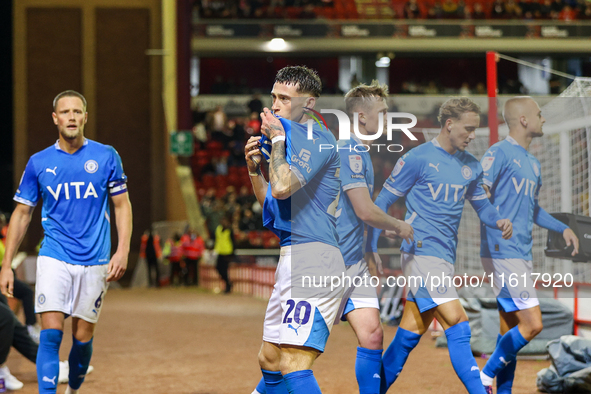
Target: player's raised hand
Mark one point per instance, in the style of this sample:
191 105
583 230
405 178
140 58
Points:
571 239
506 227
7 280
253 154
117 267
271 126
405 231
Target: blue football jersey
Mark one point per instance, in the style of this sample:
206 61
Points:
356 172
435 184
309 214
514 178
74 188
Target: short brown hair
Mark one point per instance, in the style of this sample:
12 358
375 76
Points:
454 107
361 92
306 79
68 93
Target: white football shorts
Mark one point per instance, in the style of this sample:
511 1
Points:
513 285
303 306
76 290
429 280
361 294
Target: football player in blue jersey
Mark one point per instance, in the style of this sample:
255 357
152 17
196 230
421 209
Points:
356 208
74 178
436 178
513 178
299 205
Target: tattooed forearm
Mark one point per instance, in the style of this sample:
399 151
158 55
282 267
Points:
279 172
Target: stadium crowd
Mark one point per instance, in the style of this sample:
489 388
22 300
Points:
560 10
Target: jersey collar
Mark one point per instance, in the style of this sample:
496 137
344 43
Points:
57 143
512 140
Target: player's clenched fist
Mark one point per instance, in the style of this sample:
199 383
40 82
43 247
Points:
252 153
506 227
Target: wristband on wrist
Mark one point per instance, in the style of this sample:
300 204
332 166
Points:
278 138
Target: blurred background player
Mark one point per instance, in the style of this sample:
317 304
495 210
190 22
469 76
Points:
514 178
193 247
72 176
150 250
436 178
14 334
22 291
173 252
299 206
224 246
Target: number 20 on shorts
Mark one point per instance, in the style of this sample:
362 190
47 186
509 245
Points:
297 313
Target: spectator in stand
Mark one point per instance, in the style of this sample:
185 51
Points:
512 10
478 12
224 246
546 10
255 105
586 13
248 221
412 10
308 12
450 9
253 126
498 10
244 10
480 88
173 252
436 11
431 88
217 120
193 247
567 14
245 197
530 9
465 89
150 250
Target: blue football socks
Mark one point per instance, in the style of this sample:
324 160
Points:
260 388
506 376
301 382
505 353
79 361
367 369
274 383
48 360
396 355
460 353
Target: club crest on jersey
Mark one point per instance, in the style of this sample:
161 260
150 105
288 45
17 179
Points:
355 163
536 169
487 163
466 172
91 166
398 167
